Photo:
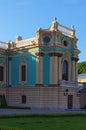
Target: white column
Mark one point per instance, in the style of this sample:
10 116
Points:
69 71
9 70
55 70
39 70
51 69
73 71
76 72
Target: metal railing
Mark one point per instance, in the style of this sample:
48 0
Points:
66 31
65 83
27 42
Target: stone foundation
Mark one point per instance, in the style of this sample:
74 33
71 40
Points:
41 97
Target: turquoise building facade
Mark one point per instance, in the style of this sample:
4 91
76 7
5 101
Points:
41 71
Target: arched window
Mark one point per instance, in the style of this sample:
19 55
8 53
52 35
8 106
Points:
65 70
46 40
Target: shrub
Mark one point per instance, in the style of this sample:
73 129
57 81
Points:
3 102
84 106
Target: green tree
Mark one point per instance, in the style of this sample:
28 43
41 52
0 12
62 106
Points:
3 102
82 67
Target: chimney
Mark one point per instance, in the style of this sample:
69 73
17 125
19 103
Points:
18 38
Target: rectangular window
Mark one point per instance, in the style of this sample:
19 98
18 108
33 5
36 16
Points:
23 73
1 73
23 99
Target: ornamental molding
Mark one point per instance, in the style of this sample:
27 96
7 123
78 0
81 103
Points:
55 54
23 59
76 51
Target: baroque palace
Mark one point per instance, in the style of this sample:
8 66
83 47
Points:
41 72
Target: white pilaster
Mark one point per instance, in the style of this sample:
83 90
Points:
55 75
60 69
39 70
51 69
76 72
73 71
57 69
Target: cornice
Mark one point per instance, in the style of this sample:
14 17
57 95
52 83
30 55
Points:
55 54
52 45
76 51
22 48
2 50
39 53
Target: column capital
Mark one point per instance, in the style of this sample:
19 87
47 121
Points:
39 53
75 59
39 85
53 85
55 54
9 58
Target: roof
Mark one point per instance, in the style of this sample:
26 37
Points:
55 26
26 42
3 45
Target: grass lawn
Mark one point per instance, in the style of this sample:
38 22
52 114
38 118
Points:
75 122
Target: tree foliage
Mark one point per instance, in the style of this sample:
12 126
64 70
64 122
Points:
82 67
3 102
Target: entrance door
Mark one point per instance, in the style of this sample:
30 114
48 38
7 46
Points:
70 101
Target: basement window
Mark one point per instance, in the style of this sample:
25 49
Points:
23 99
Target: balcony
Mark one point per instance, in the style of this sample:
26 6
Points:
65 83
3 45
66 31
27 42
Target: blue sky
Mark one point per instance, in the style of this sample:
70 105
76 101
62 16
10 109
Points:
23 17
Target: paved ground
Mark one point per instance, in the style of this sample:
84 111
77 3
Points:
46 111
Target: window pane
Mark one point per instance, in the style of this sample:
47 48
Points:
1 73
65 70
23 73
